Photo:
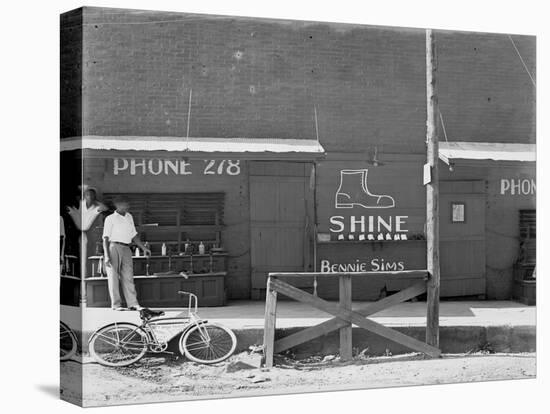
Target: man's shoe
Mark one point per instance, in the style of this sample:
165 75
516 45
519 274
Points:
119 308
136 308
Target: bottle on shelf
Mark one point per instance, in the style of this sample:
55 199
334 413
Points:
201 248
163 249
147 259
186 247
137 252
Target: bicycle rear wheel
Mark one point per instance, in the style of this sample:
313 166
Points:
208 343
67 342
118 345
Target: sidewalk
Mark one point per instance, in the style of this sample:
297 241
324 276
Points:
506 326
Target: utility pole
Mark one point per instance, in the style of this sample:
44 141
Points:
432 193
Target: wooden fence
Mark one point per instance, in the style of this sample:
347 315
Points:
343 314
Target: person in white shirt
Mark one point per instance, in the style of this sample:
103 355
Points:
88 210
119 232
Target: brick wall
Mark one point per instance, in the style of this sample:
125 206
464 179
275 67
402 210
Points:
485 93
261 78
71 73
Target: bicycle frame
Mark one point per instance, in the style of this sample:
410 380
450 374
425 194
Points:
187 321
156 332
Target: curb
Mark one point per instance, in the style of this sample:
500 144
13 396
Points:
452 339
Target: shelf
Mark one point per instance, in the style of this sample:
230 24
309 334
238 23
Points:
176 256
173 257
173 227
70 277
368 241
183 228
191 275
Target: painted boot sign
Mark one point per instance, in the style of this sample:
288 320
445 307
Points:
354 194
353 191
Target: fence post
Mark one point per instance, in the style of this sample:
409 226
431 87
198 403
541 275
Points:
269 323
346 331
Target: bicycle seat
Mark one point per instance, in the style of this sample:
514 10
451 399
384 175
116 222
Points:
148 313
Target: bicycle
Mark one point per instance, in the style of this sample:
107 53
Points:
122 343
67 342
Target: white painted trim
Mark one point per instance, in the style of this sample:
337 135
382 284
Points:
224 145
494 151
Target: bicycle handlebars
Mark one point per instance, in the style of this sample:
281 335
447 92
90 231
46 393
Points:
192 299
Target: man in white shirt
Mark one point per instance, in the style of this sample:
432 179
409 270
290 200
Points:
119 232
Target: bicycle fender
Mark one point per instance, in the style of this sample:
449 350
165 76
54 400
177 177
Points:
188 327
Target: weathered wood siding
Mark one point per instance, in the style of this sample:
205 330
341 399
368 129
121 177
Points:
501 217
236 234
462 244
281 198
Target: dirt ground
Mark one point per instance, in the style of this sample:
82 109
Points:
156 379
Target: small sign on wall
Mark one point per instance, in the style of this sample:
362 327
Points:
427 174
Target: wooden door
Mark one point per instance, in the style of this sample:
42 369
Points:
462 238
279 226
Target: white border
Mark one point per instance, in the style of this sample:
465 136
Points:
30 102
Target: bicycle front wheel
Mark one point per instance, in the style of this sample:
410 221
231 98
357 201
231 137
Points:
118 345
67 342
208 343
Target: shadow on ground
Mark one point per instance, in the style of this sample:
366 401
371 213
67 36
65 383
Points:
49 389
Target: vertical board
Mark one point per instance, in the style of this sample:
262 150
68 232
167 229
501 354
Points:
278 223
462 244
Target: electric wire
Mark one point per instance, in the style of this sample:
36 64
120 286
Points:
522 61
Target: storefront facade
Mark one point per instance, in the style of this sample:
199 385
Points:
498 190
260 213
352 198
251 210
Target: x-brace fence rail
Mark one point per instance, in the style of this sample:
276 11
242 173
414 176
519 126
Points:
344 317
